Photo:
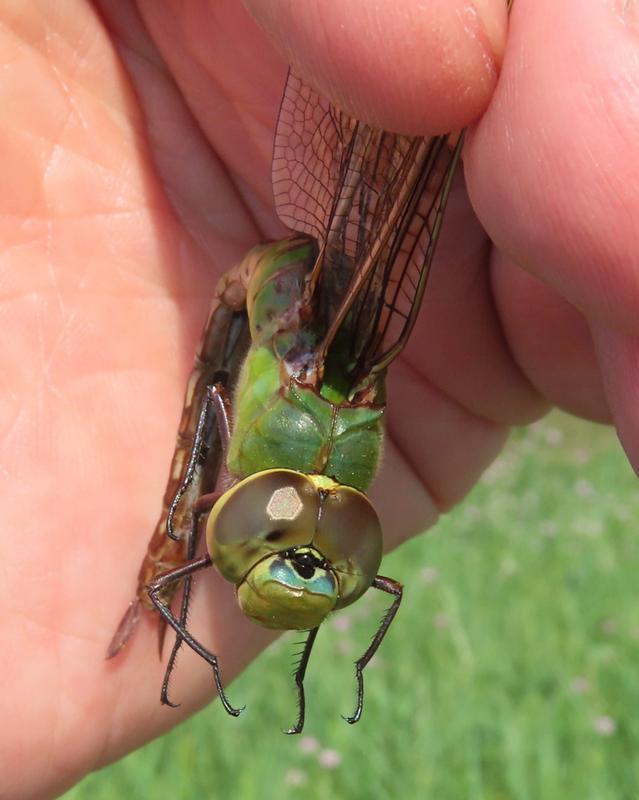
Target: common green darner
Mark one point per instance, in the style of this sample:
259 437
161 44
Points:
297 344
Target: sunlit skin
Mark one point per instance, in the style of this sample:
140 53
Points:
136 168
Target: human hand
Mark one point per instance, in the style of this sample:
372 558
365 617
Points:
137 169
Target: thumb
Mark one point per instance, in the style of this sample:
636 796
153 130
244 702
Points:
403 65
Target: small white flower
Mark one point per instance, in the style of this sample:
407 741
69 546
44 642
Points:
607 655
441 620
549 528
295 777
580 685
584 488
581 456
624 513
344 647
605 725
308 744
553 436
473 513
508 566
584 526
429 575
330 759
341 623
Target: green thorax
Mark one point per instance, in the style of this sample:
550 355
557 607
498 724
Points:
280 422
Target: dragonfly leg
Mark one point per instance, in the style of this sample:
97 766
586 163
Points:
155 593
392 587
177 644
300 672
215 406
202 506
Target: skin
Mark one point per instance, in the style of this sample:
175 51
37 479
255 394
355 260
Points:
136 157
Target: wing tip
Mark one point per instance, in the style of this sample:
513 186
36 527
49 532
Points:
125 629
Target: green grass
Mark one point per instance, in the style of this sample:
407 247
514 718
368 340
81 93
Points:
510 673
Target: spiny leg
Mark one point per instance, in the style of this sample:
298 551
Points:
300 673
392 587
203 505
214 407
155 590
177 644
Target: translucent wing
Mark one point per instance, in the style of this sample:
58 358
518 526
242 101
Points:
374 200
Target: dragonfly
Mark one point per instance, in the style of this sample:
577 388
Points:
283 421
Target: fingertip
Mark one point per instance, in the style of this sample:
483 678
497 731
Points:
618 356
396 64
552 168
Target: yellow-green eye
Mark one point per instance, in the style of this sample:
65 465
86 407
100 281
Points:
265 513
349 535
296 546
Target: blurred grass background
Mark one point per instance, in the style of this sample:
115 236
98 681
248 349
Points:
509 674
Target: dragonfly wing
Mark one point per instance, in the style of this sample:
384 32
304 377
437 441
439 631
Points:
309 153
374 200
218 360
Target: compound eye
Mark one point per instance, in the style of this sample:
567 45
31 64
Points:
265 513
349 535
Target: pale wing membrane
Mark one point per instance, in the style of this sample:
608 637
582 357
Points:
374 200
308 152
403 267
217 361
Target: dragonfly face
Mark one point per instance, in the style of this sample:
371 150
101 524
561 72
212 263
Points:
296 546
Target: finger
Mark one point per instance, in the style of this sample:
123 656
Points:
444 444
455 390
398 64
199 113
458 344
549 340
618 356
553 167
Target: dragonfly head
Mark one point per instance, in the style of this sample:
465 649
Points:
294 589
296 546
